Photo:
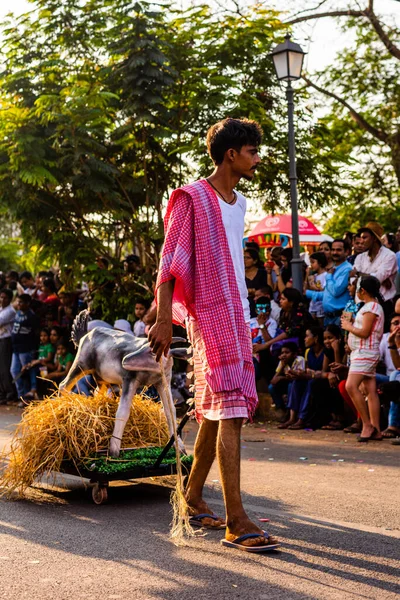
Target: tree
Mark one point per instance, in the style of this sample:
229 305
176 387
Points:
364 120
105 111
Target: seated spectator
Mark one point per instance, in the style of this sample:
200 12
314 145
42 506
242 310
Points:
263 328
63 362
56 336
364 339
393 429
46 353
7 317
141 308
316 281
335 295
300 392
28 283
267 291
24 344
326 404
272 279
293 320
289 362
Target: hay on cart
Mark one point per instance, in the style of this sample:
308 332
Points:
72 427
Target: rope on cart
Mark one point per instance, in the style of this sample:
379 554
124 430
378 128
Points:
180 518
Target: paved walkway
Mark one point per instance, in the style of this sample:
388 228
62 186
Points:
337 514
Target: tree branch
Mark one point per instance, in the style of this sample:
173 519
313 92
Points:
359 119
377 25
334 13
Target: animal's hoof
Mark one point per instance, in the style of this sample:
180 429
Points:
114 449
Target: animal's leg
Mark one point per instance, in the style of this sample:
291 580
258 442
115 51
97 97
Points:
170 412
76 372
129 387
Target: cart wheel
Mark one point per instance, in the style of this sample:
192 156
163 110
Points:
99 493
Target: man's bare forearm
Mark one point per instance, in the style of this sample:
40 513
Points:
164 301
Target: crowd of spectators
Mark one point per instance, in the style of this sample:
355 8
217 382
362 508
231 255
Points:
329 351
324 352
36 317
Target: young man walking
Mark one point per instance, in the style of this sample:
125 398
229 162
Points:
201 284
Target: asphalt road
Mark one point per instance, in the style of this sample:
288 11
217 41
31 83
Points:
337 514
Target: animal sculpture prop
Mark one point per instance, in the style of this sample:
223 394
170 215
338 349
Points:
119 358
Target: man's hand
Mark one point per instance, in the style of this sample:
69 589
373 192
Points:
160 337
261 318
387 284
258 347
392 336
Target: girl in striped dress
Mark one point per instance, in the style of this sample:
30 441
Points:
365 335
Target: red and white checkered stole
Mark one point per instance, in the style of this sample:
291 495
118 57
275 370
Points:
196 254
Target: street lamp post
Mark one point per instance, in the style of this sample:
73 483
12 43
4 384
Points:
288 61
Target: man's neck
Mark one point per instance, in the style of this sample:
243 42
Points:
224 180
338 263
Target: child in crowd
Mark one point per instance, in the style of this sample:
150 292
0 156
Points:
66 310
45 353
24 344
316 281
352 307
63 363
263 327
141 308
300 392
364 339
288 362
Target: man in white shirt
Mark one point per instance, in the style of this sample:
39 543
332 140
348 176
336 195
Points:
7 316
379 261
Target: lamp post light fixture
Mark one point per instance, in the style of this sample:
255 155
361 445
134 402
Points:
288 62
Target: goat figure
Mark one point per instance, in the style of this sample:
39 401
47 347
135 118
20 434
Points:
120 358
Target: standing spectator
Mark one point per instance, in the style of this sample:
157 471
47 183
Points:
284 273
28 283
358 248
141 308
24 344
335 295
272 279
364 339
51 302
12 280
255 274
326 248
389 241
378 261
316 281
7 316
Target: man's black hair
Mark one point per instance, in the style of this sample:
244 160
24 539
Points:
13 274
25 298
266 290
232 133
346 245
8 293
26 275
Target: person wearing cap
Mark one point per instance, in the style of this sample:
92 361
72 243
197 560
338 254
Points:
377 260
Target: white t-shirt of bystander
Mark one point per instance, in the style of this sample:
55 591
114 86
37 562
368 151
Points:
233 220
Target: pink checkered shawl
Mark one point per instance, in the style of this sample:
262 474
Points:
196 254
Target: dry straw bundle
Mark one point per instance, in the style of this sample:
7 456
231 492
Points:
72 427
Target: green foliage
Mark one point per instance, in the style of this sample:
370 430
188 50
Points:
367 77
104 109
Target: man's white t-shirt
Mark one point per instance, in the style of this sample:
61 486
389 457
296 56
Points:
233 220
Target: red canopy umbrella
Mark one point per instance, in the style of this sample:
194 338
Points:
269 230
